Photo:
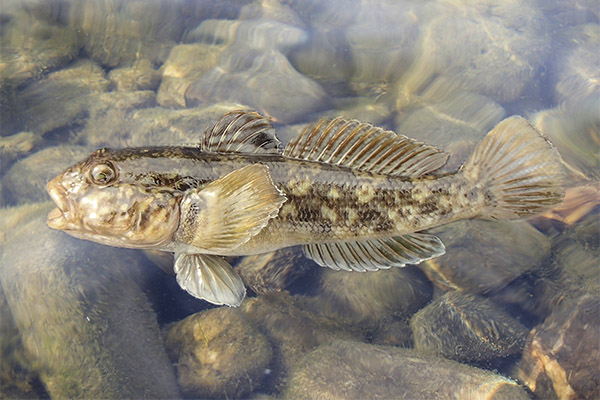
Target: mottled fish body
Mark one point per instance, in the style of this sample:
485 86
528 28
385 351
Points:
353 195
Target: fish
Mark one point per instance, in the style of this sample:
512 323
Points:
354 196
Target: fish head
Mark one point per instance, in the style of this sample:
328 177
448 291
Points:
94 203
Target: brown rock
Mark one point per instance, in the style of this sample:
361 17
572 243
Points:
562 354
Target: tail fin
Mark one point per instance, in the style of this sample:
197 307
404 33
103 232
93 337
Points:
519 170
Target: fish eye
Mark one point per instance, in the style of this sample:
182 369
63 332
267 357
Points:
103 174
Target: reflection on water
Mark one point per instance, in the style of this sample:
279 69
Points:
521 299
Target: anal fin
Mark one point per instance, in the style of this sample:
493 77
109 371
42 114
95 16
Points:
210 278
375 254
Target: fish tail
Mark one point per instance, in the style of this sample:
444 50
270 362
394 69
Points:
518 170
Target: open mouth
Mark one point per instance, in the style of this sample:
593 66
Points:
56 217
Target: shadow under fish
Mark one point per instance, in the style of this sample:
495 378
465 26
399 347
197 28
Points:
355 196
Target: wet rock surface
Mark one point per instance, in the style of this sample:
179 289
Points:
482 256
84 321
561 356
350 370
292 330
365 299
466 328
26 180
218 354
273 272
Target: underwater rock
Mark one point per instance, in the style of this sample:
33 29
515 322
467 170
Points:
482 256
575 65
35 40
218 353
561 356
451 119
325 58
118 33
291 329
487 47
25 181
382 41
351 370
273 272
141 76
365 299
264 80
16 146
258 34
466 328
110 117
60 101
84 321
17 381
574 129
186 64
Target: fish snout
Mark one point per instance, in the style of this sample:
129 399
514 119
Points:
57 218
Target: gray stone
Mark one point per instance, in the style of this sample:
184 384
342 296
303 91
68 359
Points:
486 47
292 330
186 64
366 299
466 328
141 76
82 316
483 256
263 80
61 99
351 370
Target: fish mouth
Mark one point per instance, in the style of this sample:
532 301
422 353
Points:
57 218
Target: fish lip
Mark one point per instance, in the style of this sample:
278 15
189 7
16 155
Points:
58 217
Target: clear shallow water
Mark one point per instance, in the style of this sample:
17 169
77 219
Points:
83 320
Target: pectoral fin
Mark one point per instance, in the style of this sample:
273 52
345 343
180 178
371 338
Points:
229 211
210 278
375 254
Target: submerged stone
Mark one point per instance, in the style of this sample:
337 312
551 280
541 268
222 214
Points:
68 89
562 355
486 47
273 272
84 321
26 180
466 328
218 353
351 370
574 129
292 330
264 80
141 76
366 299
186 64
482 256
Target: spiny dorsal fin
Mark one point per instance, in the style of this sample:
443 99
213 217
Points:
241 132
375 254
226 213
362 146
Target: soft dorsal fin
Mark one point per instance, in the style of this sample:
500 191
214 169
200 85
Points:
362 146
375 254
241 132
